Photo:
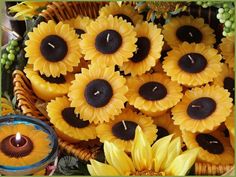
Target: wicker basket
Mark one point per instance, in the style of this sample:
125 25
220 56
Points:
26 98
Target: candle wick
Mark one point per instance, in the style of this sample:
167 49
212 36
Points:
192 60
96 93
108 36
213 142
136 50
190 34
154 89
196 106
51 45
123 122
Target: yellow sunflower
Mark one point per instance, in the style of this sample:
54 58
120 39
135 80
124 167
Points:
227 50
226 80
121 130
165 126
229 123
109 41
153 92
125 11
214 147
164 158
79 24
192 64
27 9
201 110
48 88
38 145
188 29
98 93
149 45
67 123
53 49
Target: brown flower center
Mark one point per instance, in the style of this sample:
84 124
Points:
72 119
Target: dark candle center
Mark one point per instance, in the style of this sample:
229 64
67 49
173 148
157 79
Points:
98 93
153 91
192 63
143 48
189 34
161 132
108 41
124 130
229 85
201 108
125 17
72 119
210 143
56 80
16 148
53 48
79 32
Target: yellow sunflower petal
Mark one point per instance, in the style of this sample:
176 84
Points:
181 164
101 169
160 149
174 149
118 159
141 151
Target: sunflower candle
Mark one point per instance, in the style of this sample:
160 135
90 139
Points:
26 145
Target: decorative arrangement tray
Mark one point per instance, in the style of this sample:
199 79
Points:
98 70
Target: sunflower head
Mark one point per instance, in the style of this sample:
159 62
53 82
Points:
53 49
109 41
227 50
192 64
226 80
125 11
48 88
187 29
231 128
79 24
121 130
98 93
214 147
149 45
163 158
153 92
34 145
69 125
201 110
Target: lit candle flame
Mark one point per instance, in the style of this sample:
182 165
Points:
18 136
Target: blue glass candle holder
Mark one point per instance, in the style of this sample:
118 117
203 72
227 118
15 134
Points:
41 126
